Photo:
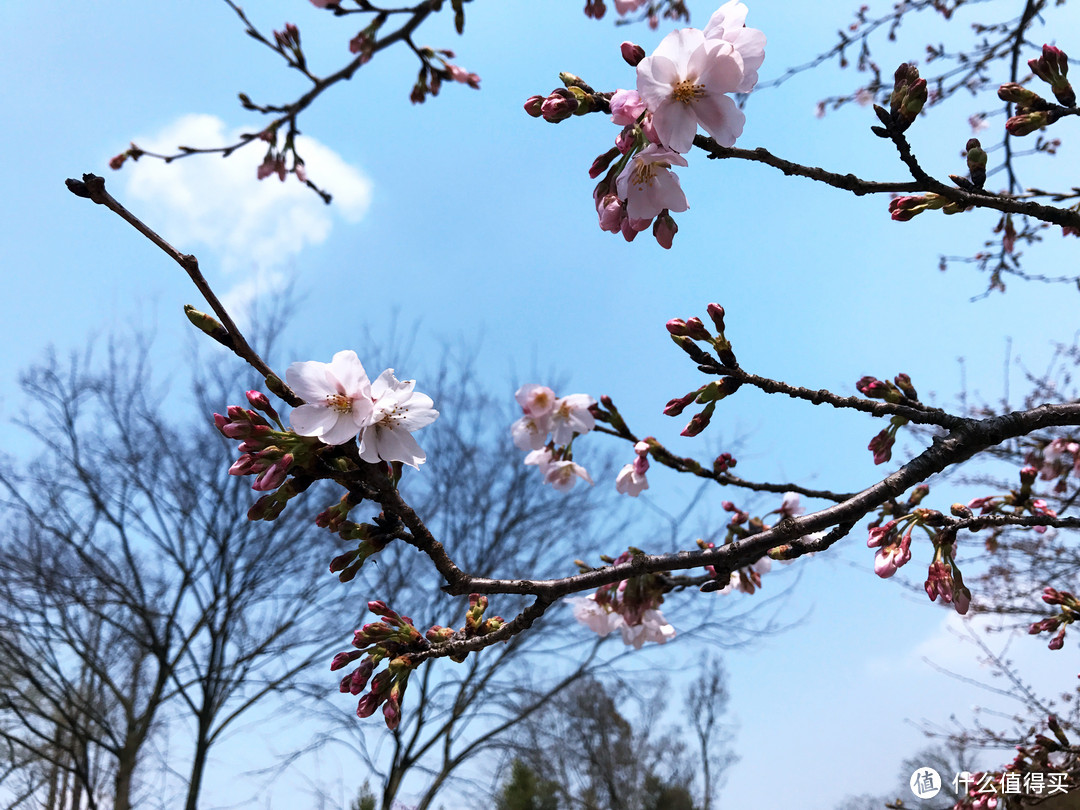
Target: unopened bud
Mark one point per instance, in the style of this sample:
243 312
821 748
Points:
208 324
716 312
632 53
534 105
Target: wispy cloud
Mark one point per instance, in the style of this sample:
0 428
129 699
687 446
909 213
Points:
218 209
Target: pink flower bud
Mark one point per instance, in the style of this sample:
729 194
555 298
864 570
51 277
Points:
533 106
664 230
632 53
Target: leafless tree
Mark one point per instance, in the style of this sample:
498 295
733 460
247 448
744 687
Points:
134 586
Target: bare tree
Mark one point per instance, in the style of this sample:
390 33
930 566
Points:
131 581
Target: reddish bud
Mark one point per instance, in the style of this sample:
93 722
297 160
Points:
632 53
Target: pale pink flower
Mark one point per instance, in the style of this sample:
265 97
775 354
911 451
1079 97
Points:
627 6
626 107
728 24
683 84
571 416
338 396
535 400
562 475
892 557
594 616
652 627
649 186
540 457
790 507
630 482
397 412
530 432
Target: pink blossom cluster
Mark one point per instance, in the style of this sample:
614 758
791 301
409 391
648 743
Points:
547 429
342 403
686 82
630 606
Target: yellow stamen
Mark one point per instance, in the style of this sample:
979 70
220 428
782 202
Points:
687 92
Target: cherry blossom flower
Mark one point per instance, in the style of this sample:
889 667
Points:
338 396
562 475
626 107
631 478
728 24
629 482
627 6
684 83
652 627
571 415
649 186
398 411
595 616
530 432
541 457
535 400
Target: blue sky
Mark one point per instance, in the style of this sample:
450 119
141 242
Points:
463 218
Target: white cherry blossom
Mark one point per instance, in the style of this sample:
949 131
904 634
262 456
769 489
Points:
398 410
684 84
338 396
649 186
728 24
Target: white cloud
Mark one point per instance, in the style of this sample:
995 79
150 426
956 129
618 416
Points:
217 209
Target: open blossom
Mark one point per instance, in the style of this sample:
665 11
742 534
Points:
728 24
595 616
535 400
338 396
652 627
562 475
649 186
571 415
684 84
630 482
530 432
398 410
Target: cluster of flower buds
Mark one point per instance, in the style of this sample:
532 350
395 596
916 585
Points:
899 392
1017 502
888 535
575 97
686 334
906 102
746 579
547 429
1069 612
943 578
389 640
1033 112
266 453
1053 68
475 626
630 606
1055 460
429 80
274 159
371 538
903 209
